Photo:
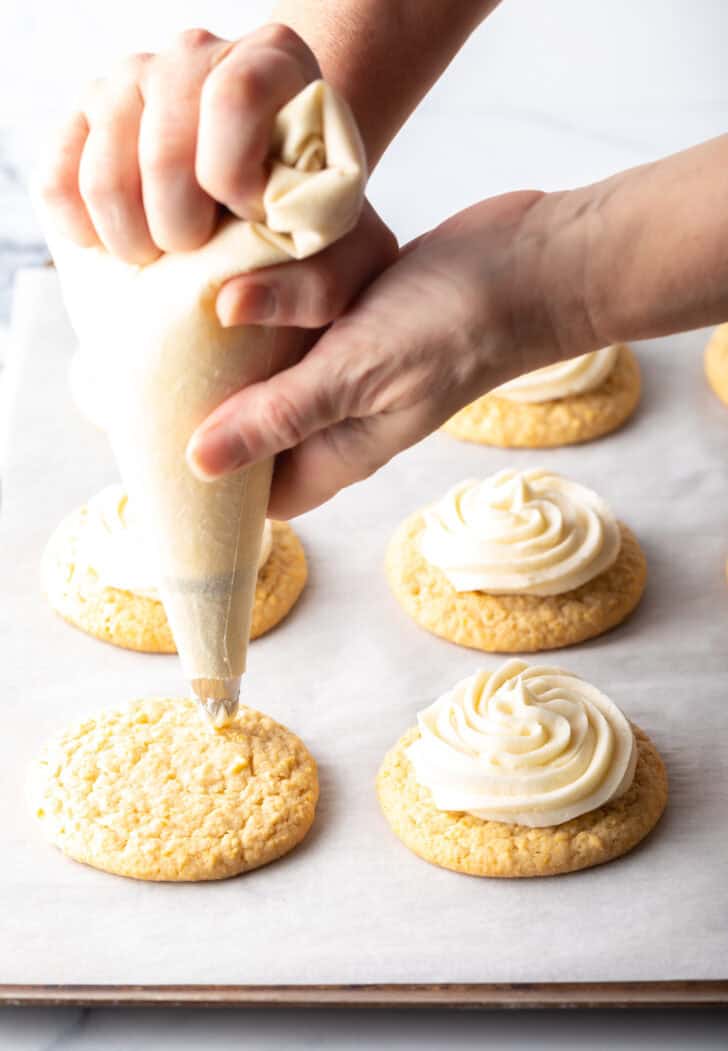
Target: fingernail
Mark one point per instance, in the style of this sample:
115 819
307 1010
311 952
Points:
251 304
214 451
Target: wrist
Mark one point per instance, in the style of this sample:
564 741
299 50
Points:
551 285
382 57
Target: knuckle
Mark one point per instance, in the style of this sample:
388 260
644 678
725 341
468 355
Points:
282 38
324 299
136 63
54 185
160 158
231 89
99 184
194 38
276 34
280 418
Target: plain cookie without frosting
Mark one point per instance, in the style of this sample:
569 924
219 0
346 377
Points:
492 420
467 844
512 623
139 622
151 791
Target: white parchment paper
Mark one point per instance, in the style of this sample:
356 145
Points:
348 671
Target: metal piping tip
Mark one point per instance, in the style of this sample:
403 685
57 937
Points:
217 699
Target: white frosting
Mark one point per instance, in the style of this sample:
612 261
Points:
575 376
525 745
520 532
115 548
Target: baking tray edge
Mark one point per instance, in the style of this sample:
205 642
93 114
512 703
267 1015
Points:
491 995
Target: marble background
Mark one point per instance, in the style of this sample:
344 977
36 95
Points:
548 94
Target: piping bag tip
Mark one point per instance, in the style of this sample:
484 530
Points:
218 713
217 699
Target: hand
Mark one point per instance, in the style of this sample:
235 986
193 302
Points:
448 321
505 287
167 140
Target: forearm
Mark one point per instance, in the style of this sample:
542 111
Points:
642 254
383 55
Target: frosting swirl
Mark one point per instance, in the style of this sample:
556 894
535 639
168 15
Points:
114 546
525 745
575 376
520 532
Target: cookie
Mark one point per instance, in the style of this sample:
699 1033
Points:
464 843
512 623
492 420
138 622
151 791
716 362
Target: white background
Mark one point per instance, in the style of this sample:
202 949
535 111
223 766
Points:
549 93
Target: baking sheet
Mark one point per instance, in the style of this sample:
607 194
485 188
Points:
348 670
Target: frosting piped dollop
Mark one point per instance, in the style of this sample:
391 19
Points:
115 548
565 378
527 744
520 532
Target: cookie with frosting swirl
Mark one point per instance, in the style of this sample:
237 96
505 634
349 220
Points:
565 378
532 746
99 574
520 532
572 401
518 562
522 771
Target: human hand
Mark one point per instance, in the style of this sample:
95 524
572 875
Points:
455 316
167 141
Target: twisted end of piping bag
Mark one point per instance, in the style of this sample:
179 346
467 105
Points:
217 699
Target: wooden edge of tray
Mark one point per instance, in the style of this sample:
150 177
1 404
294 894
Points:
534 995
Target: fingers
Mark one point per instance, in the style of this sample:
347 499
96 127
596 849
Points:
108 174
324 463
238 105
166 138
264 419
58 183
180 214
311 293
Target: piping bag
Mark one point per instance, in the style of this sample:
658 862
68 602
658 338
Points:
169 363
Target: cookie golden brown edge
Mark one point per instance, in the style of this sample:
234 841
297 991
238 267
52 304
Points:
475 847
153 792
512 623
139 622
492 420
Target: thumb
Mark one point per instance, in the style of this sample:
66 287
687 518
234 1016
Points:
265 418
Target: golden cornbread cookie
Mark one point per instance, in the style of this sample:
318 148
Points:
153 792
468 844
139 622
512 623
716 362
492 420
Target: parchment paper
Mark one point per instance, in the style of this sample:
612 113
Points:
348 670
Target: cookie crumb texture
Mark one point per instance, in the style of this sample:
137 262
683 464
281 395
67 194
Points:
152 792
475 847
492 420
512 623
138 622
716 362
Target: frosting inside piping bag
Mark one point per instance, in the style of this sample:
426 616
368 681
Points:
169 363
